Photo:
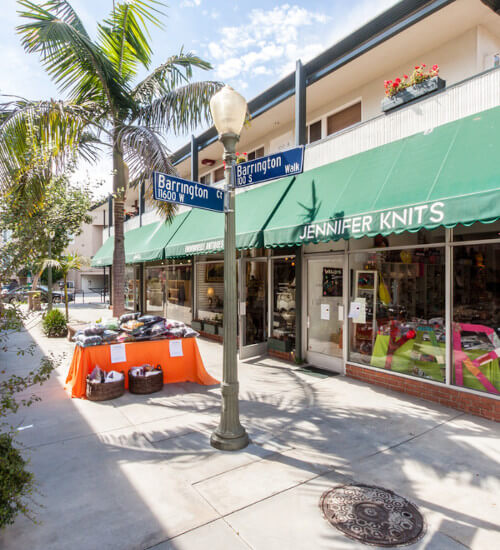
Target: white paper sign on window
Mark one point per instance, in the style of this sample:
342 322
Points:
325 312
176 348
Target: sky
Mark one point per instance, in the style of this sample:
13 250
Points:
250 45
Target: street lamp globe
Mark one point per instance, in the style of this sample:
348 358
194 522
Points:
228 109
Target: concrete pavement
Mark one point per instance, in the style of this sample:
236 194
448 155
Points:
138 472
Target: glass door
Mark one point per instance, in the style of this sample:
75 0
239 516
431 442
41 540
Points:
253 308
325 312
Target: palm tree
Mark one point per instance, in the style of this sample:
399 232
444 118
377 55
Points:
98 76
65 264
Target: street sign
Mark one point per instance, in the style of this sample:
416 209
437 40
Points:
169 188
278 165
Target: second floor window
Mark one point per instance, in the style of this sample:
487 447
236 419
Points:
314 132
256 154
219 174
343 119
205 180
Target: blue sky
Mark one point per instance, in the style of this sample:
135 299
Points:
250 45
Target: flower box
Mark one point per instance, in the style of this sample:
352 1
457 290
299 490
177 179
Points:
413 92
197 325
279 345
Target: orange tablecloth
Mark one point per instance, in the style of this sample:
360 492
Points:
188 368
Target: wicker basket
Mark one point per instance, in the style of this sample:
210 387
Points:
105 391
145 384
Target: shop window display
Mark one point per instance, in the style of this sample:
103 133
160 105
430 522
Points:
397 311
284 308
155 289
179 292
131 287
476 317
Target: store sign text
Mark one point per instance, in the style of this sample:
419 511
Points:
278 165
204 247
380 222
169 188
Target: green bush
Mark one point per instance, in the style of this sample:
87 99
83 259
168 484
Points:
16 483
54 323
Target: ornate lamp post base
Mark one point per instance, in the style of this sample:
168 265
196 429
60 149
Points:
229 442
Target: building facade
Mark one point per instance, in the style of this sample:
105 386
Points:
382 260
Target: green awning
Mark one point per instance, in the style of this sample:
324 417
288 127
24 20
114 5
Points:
444 176
143 244
104 256
203 232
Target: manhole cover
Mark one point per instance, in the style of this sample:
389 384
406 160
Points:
372 515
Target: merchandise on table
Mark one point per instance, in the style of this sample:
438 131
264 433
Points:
132 327
102 385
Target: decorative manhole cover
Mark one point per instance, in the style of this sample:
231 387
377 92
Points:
372 515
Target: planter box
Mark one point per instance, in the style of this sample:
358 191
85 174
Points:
210 328
197 325
412 93
279 345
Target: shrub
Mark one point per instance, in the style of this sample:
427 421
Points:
16 483
54 323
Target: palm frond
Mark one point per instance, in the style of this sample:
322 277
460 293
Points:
68 54
178 69
37 139
182 109
144 152
124 35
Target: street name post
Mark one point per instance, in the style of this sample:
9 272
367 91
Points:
169 188
277 165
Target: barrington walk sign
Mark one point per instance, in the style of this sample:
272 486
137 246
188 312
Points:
169 188
278 165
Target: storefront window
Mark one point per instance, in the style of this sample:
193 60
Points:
131 287
210 285
397 311
284 309
476 317
179 292
155 289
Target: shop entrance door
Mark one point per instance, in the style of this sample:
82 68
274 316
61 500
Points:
325 312
253 307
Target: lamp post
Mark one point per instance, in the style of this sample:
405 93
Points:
228 111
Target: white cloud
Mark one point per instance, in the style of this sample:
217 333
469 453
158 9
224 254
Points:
266 41
189 3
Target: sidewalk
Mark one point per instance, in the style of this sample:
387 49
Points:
138 472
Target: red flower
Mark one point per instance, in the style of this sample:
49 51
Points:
417 67
435 68
398 80
423 64
405 76
394 84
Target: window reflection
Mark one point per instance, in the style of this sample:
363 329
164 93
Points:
476 317
397 311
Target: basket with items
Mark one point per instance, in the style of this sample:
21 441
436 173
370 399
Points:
102 385
145 379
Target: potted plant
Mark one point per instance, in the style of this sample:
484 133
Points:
421 82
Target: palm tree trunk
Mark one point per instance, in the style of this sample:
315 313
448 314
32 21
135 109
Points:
119 191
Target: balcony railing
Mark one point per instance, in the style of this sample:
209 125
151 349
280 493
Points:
460 100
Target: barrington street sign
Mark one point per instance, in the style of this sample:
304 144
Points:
190 193
287 163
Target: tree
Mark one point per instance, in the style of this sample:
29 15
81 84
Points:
99 76
65 264
61 210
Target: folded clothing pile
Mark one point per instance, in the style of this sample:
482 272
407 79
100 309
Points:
132 327
145 370
99 376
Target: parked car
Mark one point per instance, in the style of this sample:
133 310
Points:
20 294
